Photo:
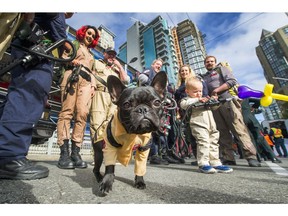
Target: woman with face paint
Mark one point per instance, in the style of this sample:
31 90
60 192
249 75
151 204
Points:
77 89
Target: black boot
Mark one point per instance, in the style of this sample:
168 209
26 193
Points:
76 158
175 157
98 159
65 161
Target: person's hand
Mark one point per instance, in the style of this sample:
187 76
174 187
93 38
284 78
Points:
203 100
75 62
93 90
215 92
117 63
215 97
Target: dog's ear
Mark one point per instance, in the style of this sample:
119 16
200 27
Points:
115 88
159 82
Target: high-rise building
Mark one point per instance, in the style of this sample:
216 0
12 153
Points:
107 37
177 46
191 46
272 53
150 41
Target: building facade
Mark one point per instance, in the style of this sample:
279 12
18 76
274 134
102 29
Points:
148 42
272 53
191 46
107 37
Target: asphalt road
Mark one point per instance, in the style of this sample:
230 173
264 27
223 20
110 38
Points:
166 184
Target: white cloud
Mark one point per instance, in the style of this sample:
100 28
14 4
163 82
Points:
239 48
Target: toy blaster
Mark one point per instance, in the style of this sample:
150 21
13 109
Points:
266 97
39 50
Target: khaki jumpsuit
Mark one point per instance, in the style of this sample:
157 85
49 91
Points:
76 100
203 128
102 108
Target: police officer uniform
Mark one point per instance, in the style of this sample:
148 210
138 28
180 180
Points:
27 95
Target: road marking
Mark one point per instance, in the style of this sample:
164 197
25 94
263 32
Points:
277 169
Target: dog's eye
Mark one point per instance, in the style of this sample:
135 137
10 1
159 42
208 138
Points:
126 105
156 103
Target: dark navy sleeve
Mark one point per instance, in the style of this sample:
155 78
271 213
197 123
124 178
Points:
205 92
55 24
180 92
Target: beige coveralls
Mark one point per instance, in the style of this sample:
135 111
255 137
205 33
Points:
102 108
203 128
76 102
124 153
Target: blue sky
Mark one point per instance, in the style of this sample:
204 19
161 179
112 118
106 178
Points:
233 28
230 37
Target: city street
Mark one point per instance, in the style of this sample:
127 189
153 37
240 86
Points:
166 184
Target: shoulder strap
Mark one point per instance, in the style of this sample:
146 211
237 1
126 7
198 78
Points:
100 79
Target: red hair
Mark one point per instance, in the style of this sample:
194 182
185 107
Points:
80 34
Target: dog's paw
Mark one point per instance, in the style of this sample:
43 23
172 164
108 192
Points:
107 182
139 182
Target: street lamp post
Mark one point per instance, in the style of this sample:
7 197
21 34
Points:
134 59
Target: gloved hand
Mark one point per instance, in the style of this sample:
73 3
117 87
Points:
24 31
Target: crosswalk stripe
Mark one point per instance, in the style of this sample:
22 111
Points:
277 169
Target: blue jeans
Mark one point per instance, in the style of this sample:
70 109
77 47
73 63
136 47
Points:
279 143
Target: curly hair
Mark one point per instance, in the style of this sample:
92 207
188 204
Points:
80 34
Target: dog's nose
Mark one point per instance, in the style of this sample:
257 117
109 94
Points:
142 110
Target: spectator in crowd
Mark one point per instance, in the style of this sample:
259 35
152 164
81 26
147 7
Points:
203 128
184 73
278 138
77 88
27 95
255 129
268 138
102 107
228 116
158 151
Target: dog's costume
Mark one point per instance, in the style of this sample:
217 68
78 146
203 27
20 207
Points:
123 152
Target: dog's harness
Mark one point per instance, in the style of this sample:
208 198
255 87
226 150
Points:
115 144
110 137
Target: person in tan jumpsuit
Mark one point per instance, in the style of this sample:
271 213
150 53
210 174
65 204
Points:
77 89
102 108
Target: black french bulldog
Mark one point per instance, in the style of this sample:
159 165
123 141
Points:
130 128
